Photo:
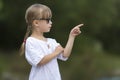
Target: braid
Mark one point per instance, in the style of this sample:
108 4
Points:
28 32
22 48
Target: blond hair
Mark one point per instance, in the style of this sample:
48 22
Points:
35 11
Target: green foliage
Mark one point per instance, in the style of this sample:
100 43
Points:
99 17
1 5
99 37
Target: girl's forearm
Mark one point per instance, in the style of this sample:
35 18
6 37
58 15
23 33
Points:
69 46
47 58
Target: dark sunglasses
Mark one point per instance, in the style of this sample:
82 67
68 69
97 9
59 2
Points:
47 19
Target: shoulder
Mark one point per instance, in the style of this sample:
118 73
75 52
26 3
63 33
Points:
51 40
31 41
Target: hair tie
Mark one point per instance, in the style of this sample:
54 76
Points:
24 41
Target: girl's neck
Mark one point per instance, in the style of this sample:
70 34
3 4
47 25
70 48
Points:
39 36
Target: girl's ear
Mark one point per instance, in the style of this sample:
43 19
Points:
35 22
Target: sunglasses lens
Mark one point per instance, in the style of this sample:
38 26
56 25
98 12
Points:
48 20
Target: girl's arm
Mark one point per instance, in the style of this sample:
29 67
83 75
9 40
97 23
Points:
68 48
66 51
49 57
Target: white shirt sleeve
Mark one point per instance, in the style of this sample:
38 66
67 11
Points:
60 56
33 53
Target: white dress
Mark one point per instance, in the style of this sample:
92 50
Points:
35 50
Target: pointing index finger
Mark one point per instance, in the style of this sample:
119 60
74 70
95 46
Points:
80 25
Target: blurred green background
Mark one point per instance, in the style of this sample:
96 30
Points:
96 52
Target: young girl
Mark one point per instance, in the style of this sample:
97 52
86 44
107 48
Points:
41 52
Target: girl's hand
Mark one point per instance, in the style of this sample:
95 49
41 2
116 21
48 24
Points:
59 49
76 30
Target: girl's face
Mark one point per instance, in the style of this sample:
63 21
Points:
43 25
43 21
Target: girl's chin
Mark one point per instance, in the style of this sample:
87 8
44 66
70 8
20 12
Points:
47 31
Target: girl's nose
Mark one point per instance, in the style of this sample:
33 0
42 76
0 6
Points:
50 22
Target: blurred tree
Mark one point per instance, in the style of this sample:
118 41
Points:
1 5
101 19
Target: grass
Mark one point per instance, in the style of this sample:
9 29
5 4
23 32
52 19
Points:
86 66
13 66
